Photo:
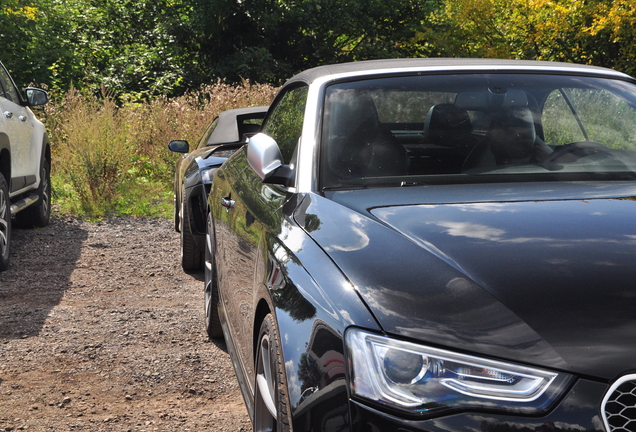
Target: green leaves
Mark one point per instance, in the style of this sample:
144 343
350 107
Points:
598 32
141 49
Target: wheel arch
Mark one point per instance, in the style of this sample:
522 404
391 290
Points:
46 148
262 310
5 157
302 286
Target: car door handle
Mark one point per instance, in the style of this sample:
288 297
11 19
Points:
22 118
228 203
8 114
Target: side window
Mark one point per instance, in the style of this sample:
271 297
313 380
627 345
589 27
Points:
285 123
559 124
603 117
10 92
206 136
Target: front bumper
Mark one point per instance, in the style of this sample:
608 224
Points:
579 411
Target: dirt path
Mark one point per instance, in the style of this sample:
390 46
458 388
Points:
101 330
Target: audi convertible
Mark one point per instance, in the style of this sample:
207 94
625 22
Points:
194 172
432 245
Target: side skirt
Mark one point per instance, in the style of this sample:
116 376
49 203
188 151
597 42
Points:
246 388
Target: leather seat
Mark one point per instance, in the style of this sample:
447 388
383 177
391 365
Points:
447 125
358 144
511 140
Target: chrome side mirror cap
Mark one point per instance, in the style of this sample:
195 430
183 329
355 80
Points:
265 158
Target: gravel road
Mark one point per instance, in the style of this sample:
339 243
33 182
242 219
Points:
101 330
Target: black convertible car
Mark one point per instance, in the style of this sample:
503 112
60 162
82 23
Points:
433 245
194 173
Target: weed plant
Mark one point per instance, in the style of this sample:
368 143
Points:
111 157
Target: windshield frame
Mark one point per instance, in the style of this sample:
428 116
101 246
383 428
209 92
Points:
611 79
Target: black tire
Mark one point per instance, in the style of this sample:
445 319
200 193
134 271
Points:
191 256
270 381
177 204
39 214
5 224
211 294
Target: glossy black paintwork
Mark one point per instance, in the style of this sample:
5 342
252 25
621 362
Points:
535 273
578 411
188 185
544 277
431 264
269 263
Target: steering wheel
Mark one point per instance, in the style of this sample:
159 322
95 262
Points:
577 150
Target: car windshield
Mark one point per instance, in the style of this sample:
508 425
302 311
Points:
465 128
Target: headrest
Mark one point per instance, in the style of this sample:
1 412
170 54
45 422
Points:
512 133
446 124
349 109
489 99
353 124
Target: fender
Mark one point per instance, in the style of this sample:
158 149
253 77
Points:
45 150
298 295
271 245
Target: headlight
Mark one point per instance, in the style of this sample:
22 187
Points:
207 175
429 381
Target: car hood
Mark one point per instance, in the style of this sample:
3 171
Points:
540 277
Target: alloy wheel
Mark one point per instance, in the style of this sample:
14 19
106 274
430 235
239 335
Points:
4 223
265 413
46 191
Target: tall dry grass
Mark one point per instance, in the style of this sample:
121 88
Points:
112 157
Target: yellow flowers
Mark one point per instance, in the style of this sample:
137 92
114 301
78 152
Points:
595 31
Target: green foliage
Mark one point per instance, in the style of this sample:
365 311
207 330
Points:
607 119
144 49
125 45
114 159
140 50
92 140
599 32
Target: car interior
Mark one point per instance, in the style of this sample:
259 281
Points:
386 131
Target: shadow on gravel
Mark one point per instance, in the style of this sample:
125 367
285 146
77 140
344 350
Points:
197 275
42 261
220 344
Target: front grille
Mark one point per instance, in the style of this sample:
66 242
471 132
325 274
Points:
619 405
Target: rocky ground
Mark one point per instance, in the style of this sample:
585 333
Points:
101 330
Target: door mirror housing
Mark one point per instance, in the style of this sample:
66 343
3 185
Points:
36 96
265 158
179 146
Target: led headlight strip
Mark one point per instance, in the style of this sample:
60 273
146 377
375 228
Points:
425 379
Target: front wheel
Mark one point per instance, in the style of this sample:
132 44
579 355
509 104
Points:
5 224
191 258
271 403
39 214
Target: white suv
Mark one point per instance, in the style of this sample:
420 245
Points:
25 162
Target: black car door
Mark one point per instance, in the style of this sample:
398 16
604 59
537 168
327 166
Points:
247 213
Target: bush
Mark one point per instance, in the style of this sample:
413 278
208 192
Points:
111 157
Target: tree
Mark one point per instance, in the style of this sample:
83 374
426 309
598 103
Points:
614 22
270 40
593 32
125 46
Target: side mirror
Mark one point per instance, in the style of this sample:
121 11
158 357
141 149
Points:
36 96
266 160
179 146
